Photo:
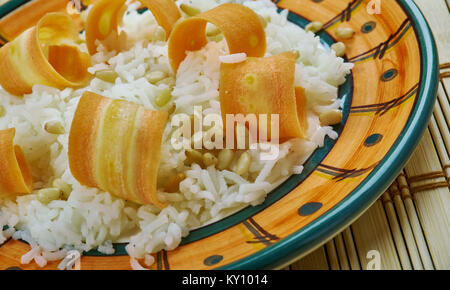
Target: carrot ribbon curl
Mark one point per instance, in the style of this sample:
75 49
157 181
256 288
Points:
265 86
105 16
240 26
45 54
115 145
15 173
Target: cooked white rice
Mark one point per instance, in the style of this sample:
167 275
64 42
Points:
91 218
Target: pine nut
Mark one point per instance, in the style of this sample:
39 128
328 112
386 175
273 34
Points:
314 27
48 195
163 97
332 117
155 76
107 75
339 48
209 159
189 10
66 189
225 158
243 164
54 127
194 156
344 32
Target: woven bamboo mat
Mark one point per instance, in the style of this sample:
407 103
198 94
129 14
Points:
409 225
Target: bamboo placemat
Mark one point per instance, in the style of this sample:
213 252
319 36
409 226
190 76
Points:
409 225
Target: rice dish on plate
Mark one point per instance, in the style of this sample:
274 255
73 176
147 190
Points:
90 218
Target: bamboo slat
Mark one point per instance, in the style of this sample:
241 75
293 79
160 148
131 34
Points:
332 255
415 223
342 253
371 232
438 116
396 232
432 200
351 250
406 229
440 147
316 260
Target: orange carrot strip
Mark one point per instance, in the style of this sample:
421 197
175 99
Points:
240 26
165 12
104 18
27 15
148 154
15 174
112 160
301 100
102 23
45 54
115 145
264 86
84 135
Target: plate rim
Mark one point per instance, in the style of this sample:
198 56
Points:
10 6
362 197
333 221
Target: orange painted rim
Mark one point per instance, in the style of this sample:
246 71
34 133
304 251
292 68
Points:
386 112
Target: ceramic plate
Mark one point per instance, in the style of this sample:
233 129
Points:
388 100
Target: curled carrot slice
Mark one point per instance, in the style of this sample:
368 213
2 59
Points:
300 96
45 54
265 86
27 15
102 23
104 18
240 26
15 174
115 145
